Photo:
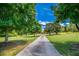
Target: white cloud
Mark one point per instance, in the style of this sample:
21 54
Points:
62 24
67 23
43 22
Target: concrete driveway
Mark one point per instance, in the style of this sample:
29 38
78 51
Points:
40 47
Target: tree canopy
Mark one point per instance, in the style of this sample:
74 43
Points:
65 11
52 27
19 17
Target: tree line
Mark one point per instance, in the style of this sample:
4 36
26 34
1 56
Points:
18 17
63 12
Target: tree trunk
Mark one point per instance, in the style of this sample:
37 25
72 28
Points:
34 35
65 29
56 32
6 37
77 27
49 33
26 34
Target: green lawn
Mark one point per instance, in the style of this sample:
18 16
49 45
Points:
15 45
66 43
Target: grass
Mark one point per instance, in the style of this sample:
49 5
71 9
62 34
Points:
66 43
15 44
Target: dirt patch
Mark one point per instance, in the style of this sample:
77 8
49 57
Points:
10 44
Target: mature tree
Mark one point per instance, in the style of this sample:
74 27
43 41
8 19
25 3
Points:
52 27
57 27
49 28
71 27
65 11
15 17
36 28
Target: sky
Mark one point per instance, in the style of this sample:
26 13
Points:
44 14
